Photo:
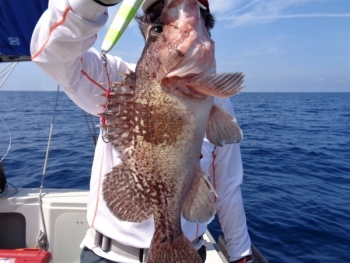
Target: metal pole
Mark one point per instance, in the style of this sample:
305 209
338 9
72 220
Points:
49 141
42 241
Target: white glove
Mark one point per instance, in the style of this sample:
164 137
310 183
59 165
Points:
91 9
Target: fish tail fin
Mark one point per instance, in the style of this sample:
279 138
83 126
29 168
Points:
179 250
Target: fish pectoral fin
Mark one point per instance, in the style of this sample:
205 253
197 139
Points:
222 85
222 128
198 206
125 197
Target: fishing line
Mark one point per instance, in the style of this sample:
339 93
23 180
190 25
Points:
7 73
90 125
4 68
8 132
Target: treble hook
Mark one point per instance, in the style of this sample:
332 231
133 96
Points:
118 110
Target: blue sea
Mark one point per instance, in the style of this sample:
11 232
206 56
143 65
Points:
296 157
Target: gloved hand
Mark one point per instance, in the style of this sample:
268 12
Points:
107 2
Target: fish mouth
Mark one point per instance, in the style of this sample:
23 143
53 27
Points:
181 42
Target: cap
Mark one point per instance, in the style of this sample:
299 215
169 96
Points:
202 3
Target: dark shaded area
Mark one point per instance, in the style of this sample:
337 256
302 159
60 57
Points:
13 231
3 181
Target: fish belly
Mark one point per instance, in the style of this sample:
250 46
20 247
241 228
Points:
169 131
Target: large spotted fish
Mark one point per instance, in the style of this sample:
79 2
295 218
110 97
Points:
157 118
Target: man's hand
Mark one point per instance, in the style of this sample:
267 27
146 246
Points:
107 2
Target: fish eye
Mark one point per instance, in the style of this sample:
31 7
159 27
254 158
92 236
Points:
156 30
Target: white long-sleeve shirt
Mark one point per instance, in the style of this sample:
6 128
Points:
61 46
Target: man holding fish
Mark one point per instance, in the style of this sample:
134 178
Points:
148 181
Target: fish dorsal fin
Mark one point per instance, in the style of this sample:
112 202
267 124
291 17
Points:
118 113
125 196
222 127
198 206
222 85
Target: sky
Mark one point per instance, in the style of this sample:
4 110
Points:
280 46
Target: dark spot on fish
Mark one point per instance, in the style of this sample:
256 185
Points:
161 123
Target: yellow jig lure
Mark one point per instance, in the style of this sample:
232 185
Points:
121 21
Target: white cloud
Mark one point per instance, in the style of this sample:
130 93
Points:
222 6
242 13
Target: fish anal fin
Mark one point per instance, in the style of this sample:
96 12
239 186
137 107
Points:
222 128
221 85
198 206
124 196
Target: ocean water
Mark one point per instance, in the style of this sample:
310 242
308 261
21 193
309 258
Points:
296 158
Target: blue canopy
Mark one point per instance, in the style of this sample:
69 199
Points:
17 21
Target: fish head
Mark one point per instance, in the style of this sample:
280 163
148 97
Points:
178 43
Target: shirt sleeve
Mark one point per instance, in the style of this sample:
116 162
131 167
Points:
226 173
61 45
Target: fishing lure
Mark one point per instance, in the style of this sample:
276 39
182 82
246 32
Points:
121 21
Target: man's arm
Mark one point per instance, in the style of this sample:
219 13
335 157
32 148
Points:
226 172
61 46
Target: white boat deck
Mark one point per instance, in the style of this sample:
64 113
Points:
64 213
